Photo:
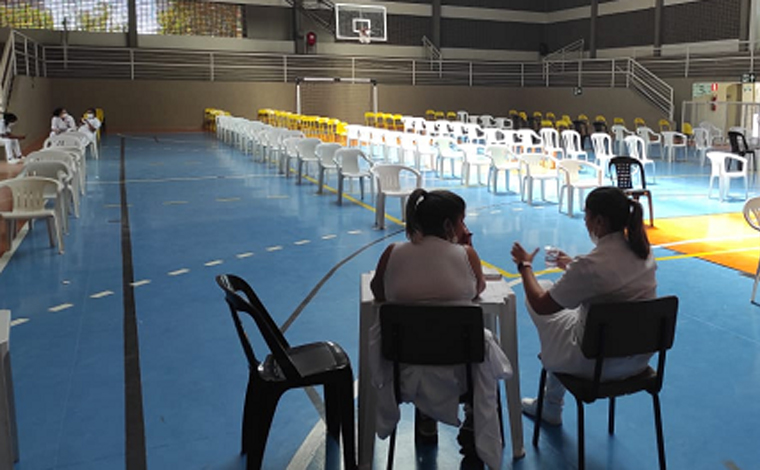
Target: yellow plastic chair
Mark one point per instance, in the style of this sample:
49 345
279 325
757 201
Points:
664 125
563 125
566 118
523 115
551 117
639 122
583 118
687 129
439 115
600 118
398 122
537 115
369 119
451 115
389 121
430 115
341 133
547 123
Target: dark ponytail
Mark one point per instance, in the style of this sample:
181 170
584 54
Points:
622 215
428 211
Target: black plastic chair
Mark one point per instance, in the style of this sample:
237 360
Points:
623 179
740 147
323 363
439 335
620 330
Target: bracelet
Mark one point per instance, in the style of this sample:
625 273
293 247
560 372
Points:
524 264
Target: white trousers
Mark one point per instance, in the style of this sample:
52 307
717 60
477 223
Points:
12 148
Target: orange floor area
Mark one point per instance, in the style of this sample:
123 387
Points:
725 239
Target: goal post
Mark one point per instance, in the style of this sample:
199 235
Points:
346 99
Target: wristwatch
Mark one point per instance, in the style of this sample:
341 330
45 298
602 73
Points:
524 264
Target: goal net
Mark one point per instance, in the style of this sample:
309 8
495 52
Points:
342 98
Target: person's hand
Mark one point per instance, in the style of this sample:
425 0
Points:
519 254
563 259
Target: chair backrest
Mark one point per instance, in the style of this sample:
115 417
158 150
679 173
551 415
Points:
251 305
428 334
701 138
752 212
389 176
738 142
623 174
291 145
550 137
348 159
636 146
574 171
501 154
69 139
529 137
446 146
307 148
29 193
602 143
625 329
48 169
571 140
326 152
49 154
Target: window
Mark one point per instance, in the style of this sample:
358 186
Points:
189 17
73 15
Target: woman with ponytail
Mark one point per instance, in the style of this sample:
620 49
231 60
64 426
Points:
620 268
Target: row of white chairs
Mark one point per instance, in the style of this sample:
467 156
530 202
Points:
54 176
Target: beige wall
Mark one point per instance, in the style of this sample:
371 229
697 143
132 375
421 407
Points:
31 100
154 105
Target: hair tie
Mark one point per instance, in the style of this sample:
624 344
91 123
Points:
419 200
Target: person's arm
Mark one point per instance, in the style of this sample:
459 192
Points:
378 282
477 268
539 299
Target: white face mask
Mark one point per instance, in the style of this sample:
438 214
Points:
89 116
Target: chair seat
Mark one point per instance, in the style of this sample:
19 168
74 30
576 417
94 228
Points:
311 361
398 193
360 174
28 214
584 388
585 184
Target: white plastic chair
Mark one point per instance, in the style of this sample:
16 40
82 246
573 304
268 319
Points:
503 159
425 148
290 152
28 195
408 148
377 144
671 142
620 132
393 146
536 167
61 172
306 154
718 171
474 156
637 148
650 138
349 162
463 116
486 120
504 123
67 155
447 151
494 136
550 138
572 176
528 141
715 133
474 134
326 162
701 143
389 184
752 216
572 141
602 145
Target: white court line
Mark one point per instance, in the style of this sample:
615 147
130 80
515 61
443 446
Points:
244 255
58 308
216 262
517 209
354 232
6 258
178 272
515 282
302 242
175 203
275 196
496 212
227 199
140 283
101 294
473 214
309 447
274 248
19 321
329 237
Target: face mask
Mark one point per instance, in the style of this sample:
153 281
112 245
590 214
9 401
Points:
89 116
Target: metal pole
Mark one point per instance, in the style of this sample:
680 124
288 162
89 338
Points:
44 63
284 69
686 72
131 64
36 61
353 68
580 73
613 73
211 63
26 55
298 97
470 73
414 72
374 97
522 74
546 73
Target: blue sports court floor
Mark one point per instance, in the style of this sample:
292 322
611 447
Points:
197 208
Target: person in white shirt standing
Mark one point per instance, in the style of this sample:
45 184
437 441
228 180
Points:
9 140
61 122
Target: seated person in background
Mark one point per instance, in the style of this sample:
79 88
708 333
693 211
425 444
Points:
61 122
621 268
90 125
438 264
10 140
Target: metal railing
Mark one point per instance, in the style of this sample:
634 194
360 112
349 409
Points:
712 59
574 50
22 55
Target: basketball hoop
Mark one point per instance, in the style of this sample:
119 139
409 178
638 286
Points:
364 36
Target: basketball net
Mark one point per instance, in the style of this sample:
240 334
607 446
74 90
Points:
364 36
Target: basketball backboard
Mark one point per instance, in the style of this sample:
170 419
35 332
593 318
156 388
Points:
363 23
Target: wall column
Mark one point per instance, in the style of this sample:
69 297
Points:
657 42
132 23
297 27
436 30
746 13
592 32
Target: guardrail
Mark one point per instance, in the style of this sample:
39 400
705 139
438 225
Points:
22 56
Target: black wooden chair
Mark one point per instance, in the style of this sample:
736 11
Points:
439 335
623 178
288 367
620 330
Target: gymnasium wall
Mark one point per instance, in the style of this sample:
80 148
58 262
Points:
32 100
145 105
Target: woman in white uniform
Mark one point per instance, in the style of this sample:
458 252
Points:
90 125
9 140
619 269
61 122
